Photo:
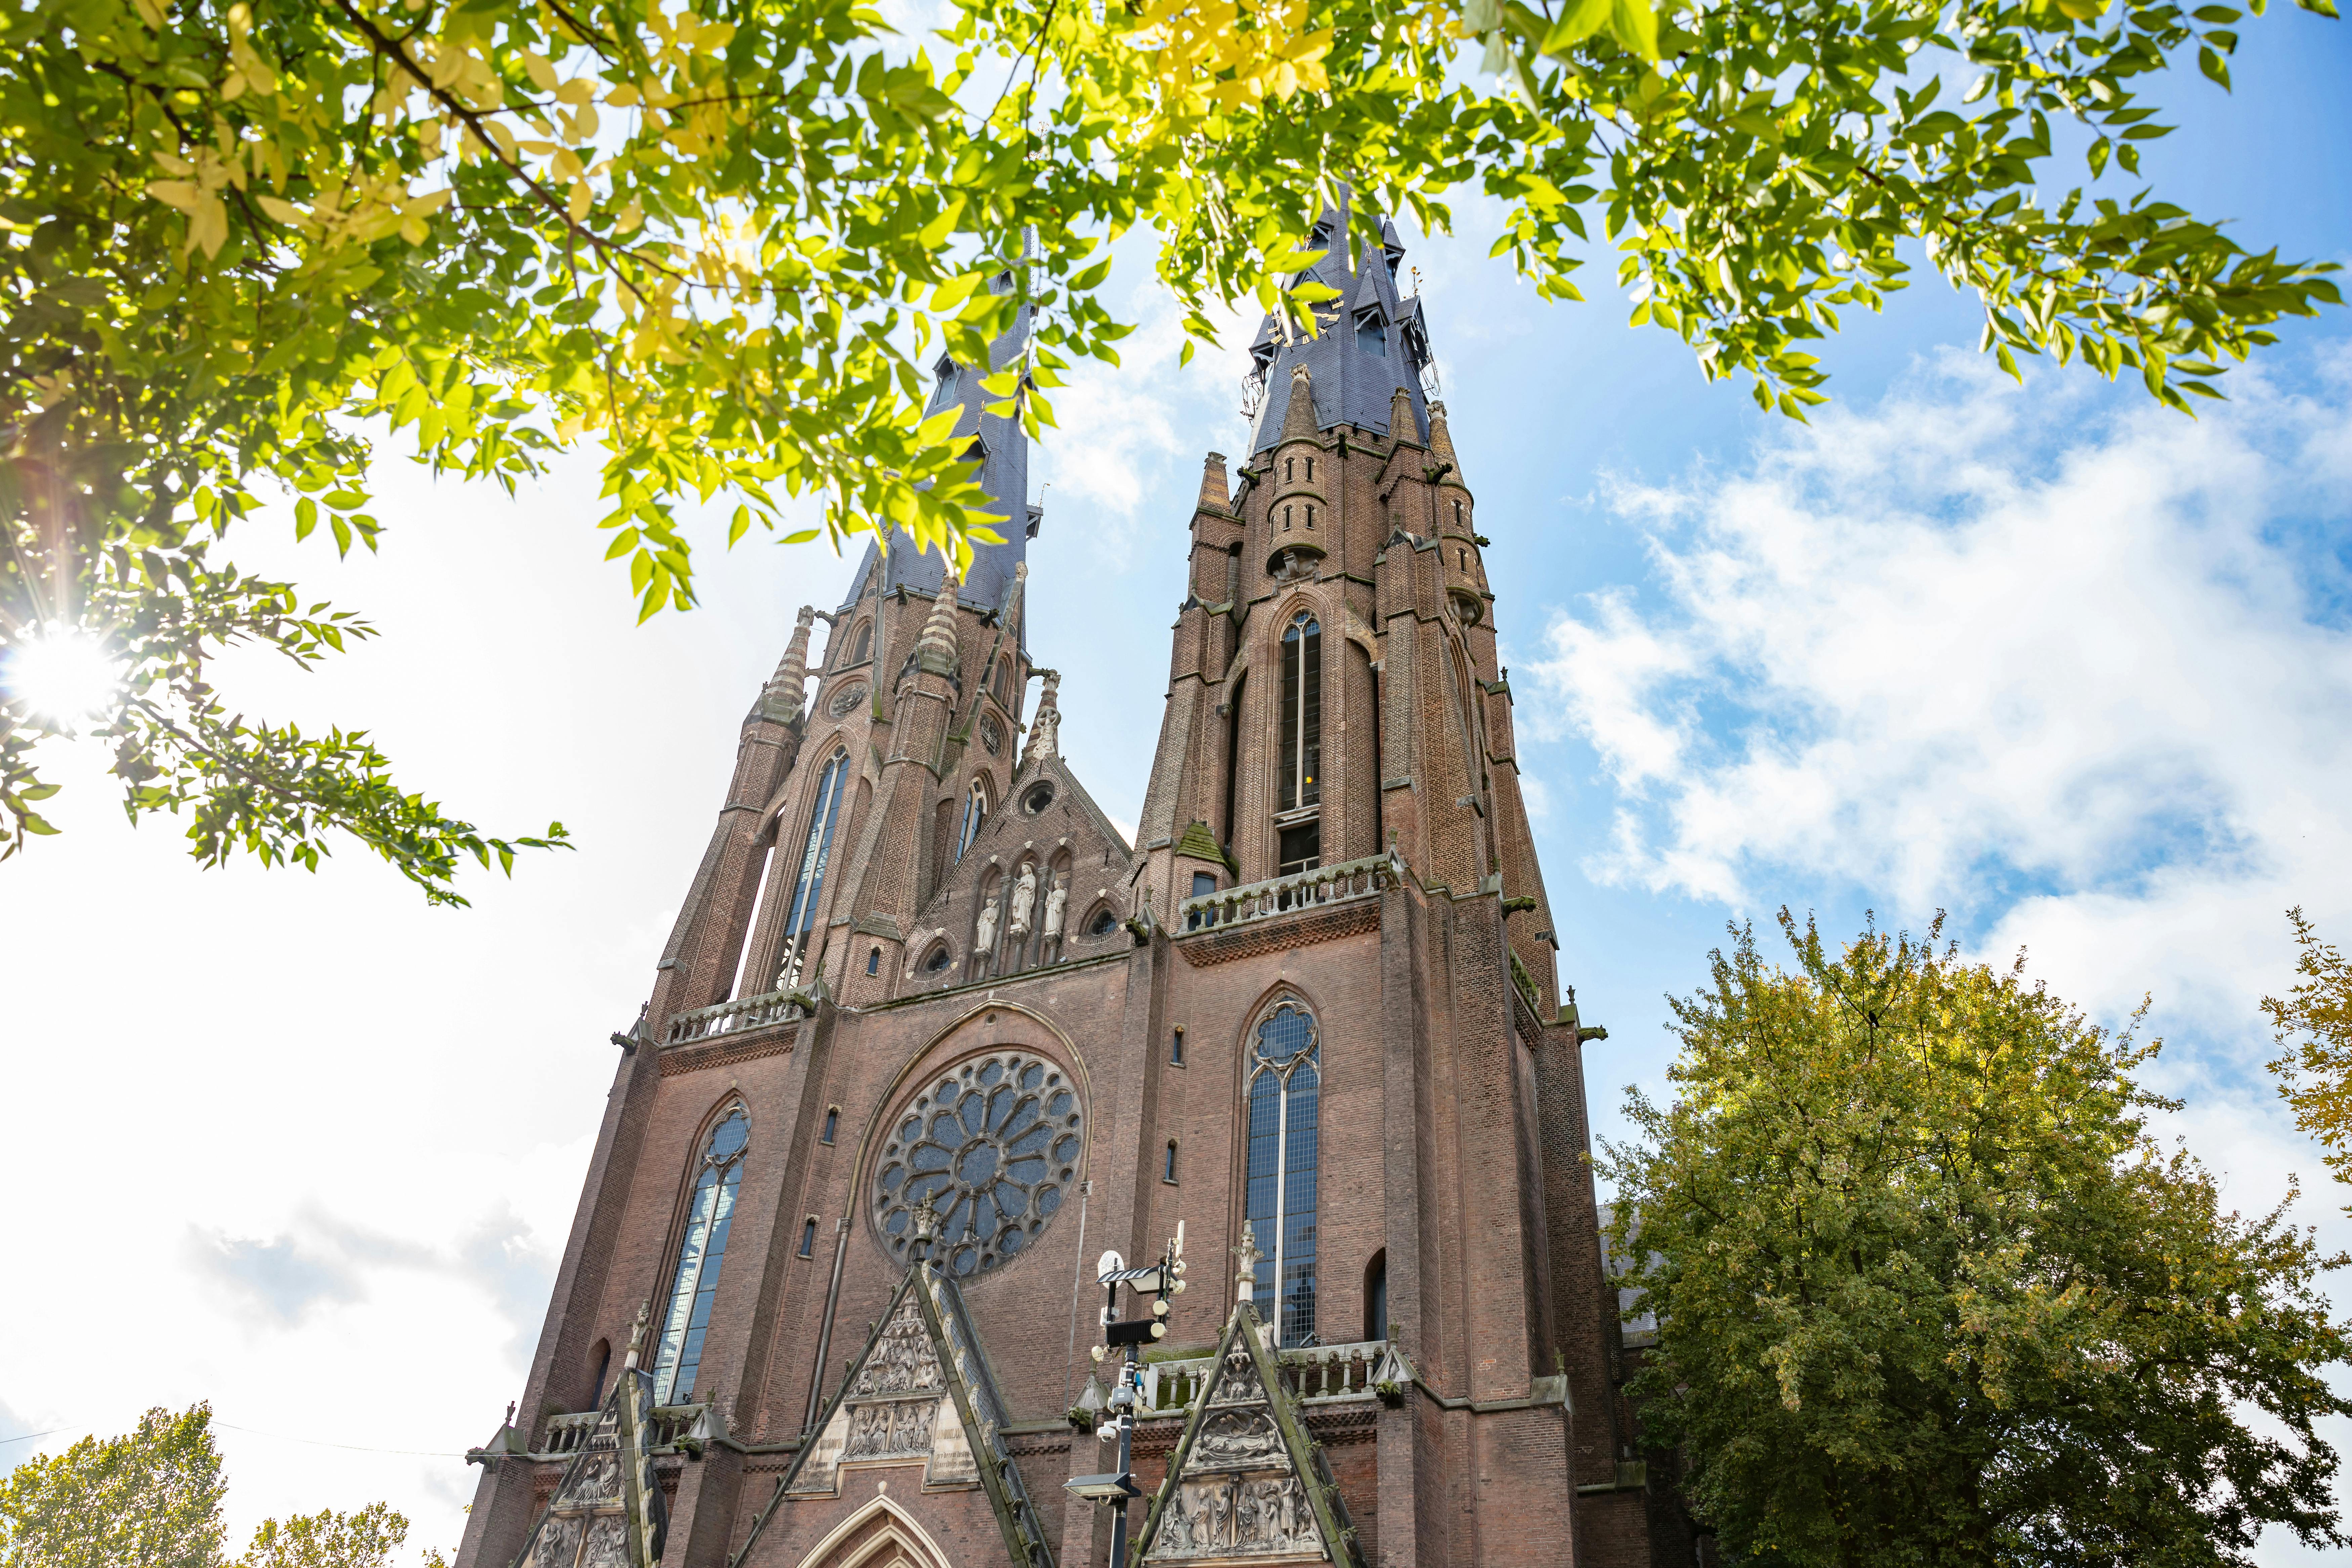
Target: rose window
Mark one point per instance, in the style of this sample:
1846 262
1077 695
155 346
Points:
993 1144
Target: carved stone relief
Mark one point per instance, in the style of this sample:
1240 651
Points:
1244 1516
898 1411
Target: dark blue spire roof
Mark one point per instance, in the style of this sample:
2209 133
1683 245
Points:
1004 474
1373 341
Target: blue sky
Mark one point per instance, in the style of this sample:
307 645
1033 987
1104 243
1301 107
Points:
2072 668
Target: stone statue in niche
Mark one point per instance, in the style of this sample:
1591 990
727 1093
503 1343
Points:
1024 899
1057 903
984 940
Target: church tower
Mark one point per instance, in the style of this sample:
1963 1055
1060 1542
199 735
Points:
930 1033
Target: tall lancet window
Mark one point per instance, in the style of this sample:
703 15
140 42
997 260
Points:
1301 751
975 812
808 888
678 1357
1285 1088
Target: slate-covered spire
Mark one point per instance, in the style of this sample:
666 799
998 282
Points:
1003 451
1370 342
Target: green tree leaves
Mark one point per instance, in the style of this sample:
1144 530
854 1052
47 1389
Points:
151 1498
1928 1292
724 245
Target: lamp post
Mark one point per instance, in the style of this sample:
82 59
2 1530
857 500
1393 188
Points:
1161 1281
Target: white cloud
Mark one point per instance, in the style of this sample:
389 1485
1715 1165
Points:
2074 675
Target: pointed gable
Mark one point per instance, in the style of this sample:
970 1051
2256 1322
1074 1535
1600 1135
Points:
608 1510
919 1390
1245 1483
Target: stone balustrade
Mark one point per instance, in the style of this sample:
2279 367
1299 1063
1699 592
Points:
736 1017
567 1434
1340 884
1324 1374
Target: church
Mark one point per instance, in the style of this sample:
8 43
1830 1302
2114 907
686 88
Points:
930 1036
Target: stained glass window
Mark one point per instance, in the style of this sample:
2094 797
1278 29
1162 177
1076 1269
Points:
1302 714
993 1144
816 852
679 1355
975 813
1285 1089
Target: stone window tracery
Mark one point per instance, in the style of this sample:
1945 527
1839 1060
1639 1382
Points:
995 1144
1285 1093
694 1283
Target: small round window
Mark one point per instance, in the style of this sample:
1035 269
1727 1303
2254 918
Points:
993 1144
1038 797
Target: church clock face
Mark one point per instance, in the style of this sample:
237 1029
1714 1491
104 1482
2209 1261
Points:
993 1143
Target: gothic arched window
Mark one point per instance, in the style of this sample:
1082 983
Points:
1285 1088
975 812
677 1356
816 852
1301 749
865 644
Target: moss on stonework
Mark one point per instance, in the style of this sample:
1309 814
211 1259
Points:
1201 845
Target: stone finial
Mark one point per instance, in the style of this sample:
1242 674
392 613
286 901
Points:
1214 494
1247 1252
927 1226
1299 418
1441 440
1045 729
935 650
782 698
1401 423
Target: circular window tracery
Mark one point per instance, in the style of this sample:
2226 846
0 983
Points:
993 1144
847 698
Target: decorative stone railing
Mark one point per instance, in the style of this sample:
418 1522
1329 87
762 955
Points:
734 1017
671 1424
1325 1372
1340 884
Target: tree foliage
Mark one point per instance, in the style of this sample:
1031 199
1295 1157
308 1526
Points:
1928 1292
244 243
2314 1024
151 1498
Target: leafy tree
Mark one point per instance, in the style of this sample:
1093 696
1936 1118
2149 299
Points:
1928 1293
151 1498
245 241
329 1539
2314 1023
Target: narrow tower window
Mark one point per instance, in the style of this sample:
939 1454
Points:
1285 1088
1457 514
975 812
1310 517
1176 1048
1286 518
809 890
1302 714
874 961
1289 470
1168 1171
832 1121
679 1355
808 1236
1310 474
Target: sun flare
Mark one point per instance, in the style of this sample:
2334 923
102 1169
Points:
62 673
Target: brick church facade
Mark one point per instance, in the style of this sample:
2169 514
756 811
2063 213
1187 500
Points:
930 1035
